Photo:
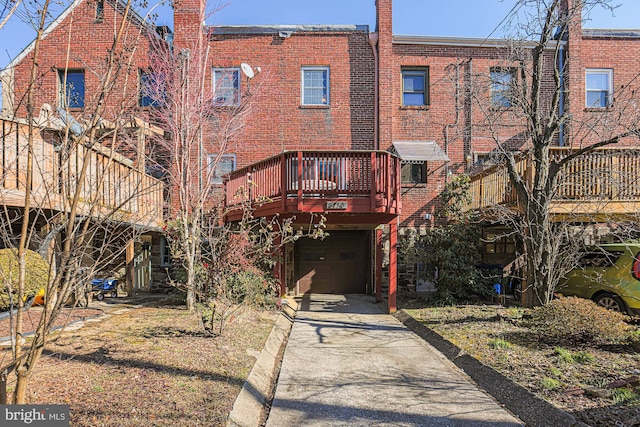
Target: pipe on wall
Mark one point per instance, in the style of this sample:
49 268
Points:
373 41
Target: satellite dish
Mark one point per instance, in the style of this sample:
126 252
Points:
247 70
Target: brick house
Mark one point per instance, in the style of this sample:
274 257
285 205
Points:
73 63
363 127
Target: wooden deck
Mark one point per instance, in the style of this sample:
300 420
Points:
601 185
294 182
113 186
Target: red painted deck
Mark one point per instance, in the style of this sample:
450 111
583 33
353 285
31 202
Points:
294 182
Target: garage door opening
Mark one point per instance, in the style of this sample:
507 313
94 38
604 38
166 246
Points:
339 264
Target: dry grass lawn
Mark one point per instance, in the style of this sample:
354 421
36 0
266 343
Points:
574 379
150 366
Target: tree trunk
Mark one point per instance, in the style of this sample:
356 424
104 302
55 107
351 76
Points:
20 393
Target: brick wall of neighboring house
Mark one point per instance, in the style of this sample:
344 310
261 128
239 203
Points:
82 42
621 55
458 113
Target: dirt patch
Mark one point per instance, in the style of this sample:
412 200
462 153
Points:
149 366
577 380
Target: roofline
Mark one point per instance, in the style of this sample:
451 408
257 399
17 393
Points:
629 33
276 29
56 22
460 41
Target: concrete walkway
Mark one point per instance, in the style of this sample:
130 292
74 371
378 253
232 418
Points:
349 364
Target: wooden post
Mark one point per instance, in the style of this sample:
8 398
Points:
393 265
378 259
129 255
278 269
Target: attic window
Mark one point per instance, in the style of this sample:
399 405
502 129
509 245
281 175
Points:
99 10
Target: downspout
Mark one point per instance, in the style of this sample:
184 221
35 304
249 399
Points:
373 41
561 99
452 125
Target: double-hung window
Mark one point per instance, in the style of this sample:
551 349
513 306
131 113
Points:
599 88
226 86
315 86
71 83
502 80
225 165
415 87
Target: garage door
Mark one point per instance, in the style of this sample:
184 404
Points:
336 265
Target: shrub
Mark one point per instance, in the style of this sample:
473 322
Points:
37 275
575 320
250 287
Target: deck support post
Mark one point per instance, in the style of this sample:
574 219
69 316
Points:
129 255
393 265
378 261
278 268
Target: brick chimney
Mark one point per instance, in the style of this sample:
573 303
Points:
188 22
384 27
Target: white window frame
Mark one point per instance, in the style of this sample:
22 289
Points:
422 72
215 179
603 71
501 91
236 71
326 89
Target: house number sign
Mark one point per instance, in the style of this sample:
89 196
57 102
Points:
336 206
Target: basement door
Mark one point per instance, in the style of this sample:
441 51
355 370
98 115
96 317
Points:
336 265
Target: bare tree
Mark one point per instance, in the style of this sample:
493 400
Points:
68 193
200 121
528 116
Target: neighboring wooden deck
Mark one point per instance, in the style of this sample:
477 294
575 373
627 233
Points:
347 182
113 186
601 185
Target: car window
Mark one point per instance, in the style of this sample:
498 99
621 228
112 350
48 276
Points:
600 259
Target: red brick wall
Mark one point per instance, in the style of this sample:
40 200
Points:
456 117
278 121
81 42
622 56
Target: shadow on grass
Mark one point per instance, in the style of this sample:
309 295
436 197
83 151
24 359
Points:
103 356
171 332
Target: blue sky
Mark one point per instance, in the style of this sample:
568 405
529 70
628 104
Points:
465 18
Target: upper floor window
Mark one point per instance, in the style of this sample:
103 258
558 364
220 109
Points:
315 86
599 88
99 10
225 165
502 80
71 83
414 172
415 87
226 86
151 91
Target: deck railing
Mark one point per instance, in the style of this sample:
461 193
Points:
317 174
602 176
112 185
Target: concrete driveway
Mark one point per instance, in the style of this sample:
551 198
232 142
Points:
349 364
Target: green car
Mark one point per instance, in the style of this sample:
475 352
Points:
609 275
